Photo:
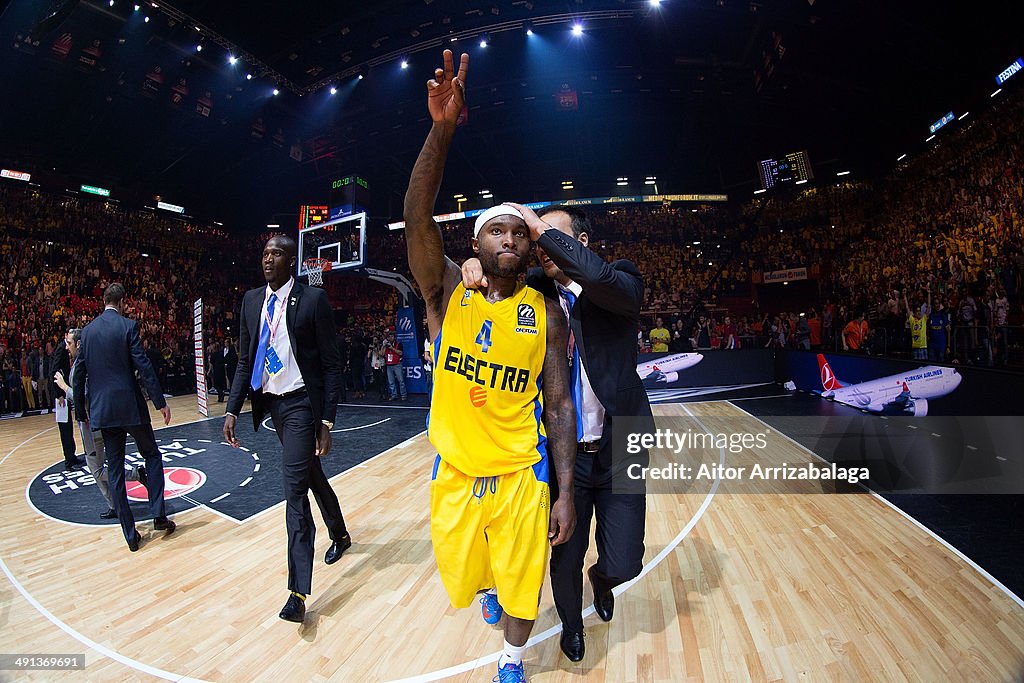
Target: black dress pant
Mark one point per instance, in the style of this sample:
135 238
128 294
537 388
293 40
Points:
114 439
620 533
301 472
67 439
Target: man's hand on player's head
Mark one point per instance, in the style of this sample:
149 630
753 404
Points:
446 91
535 223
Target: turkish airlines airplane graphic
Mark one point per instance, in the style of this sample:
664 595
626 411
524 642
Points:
906 392
665 370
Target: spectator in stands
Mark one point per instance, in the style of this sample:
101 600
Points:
918 327
855 334
803 333
938 333
659 337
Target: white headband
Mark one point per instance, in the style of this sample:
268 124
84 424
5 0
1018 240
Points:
494 212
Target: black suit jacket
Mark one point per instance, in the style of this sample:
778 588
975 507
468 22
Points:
603 321
108 357
310 324
61 363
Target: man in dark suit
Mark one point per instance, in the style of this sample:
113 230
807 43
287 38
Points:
217 370
288 364
230 359
602 302
62 364
108 357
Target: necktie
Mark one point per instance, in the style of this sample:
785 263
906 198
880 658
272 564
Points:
256 381
568 299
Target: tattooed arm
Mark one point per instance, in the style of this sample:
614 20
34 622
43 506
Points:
436 275
559 423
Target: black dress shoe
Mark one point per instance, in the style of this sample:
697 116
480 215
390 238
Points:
294 609
337 548
133 543
164 524
604 599
143 479
109 514
572 645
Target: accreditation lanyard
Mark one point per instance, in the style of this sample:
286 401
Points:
272 324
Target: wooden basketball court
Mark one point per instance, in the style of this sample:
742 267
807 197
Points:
736 587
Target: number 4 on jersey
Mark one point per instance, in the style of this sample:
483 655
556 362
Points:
484 338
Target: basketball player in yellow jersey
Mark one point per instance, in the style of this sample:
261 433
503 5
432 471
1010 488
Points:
500 406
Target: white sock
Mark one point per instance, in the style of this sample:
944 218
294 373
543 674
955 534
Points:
513 654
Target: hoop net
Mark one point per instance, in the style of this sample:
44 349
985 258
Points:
315 268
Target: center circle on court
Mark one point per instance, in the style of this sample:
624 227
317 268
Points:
178 481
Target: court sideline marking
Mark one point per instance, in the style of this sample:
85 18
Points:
1013 596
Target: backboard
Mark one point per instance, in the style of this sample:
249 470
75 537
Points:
341 241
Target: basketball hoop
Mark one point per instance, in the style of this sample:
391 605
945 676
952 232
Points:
315 269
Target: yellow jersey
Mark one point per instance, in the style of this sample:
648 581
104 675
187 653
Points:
486 402
659 339
918 336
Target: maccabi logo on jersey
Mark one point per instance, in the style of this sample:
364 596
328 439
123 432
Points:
196 472
466 297
527 319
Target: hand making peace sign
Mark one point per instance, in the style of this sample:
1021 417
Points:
446 91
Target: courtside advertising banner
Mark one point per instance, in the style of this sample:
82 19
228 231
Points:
197 312
405 333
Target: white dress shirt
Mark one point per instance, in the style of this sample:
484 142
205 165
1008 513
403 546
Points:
593 411
289 378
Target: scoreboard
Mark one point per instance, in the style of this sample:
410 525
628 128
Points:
310 216
791 169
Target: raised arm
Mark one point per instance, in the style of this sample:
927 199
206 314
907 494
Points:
436 275
559 423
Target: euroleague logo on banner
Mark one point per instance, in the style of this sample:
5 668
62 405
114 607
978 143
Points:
196 472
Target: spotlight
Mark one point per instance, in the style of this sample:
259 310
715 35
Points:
276 92
529 31
577 29
232 60
405 63
528 26
199 48
136 8
655 3
111 3
484 40
334 91
360 76
248 77
147 20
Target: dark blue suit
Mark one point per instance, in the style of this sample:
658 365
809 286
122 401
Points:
109 355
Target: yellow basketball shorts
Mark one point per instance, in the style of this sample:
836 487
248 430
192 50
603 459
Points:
491 532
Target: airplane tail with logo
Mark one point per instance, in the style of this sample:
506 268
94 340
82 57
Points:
829 381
